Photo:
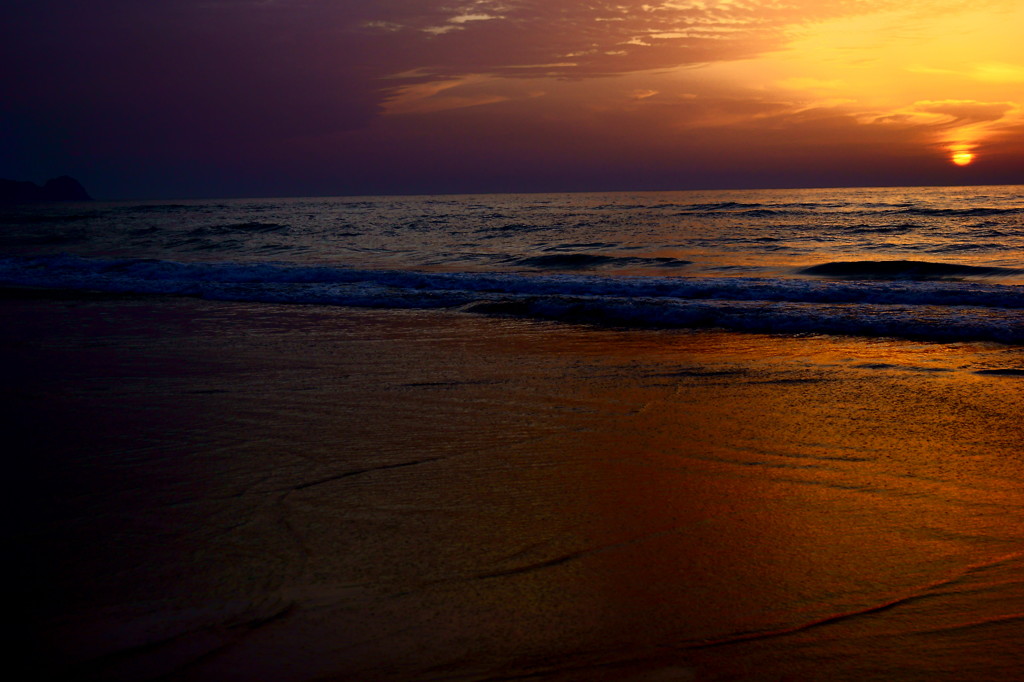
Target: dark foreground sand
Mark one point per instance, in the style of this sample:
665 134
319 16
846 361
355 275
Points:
223 491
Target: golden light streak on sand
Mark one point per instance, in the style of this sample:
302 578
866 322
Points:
314 493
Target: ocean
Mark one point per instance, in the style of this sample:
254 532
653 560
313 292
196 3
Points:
920 263
666 436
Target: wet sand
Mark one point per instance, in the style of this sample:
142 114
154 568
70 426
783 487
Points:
224 491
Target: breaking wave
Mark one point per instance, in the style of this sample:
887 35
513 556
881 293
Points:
906 269
975 211
929 310
582 261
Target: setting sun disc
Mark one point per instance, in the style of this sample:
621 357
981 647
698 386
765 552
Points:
962 158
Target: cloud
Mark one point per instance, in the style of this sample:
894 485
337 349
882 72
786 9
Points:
966 112
443 95
957 125
946 114
599 38
999 73
642 93
988 72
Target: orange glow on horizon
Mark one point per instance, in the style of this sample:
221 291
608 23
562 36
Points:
852 78
456 96
896 70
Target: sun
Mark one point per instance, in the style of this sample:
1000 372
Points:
962 158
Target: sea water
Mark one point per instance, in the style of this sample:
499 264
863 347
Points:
934 263
206 492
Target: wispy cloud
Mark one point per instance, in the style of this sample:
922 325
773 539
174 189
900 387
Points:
601 37
443 95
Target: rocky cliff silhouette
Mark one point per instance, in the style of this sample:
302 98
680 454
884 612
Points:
64 188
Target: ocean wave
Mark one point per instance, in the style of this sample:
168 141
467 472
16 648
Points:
250 227
883 229
987 232
762 317
906 270
976 211
158 207
727 207
934 310
747 210
513 227
722 206
51 238
586 261
764 212
43 219
205 244
970 246
65 269
1004 372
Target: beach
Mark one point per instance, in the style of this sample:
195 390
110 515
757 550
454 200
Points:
492 341
213 490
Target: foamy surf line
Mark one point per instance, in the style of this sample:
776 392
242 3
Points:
926 310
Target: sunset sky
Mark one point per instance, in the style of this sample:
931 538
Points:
179 98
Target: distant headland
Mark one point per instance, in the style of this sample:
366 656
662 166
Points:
64 188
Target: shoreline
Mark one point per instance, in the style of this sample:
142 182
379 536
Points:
218 491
